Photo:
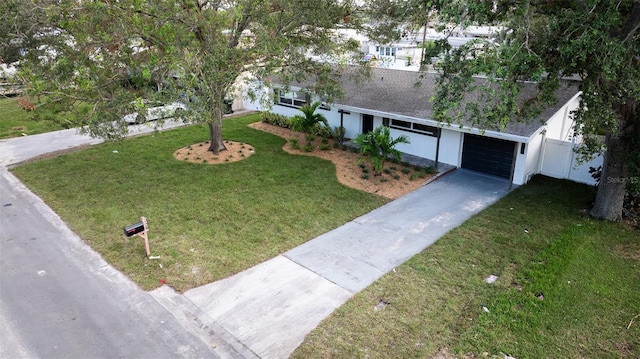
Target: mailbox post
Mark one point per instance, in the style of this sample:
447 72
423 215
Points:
139 229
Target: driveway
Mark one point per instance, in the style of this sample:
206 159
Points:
271 307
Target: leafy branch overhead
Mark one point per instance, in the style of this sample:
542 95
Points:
95 58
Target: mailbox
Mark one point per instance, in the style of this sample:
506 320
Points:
134 229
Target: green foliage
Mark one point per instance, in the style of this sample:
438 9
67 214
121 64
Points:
107 54
309 121
275 119
379 145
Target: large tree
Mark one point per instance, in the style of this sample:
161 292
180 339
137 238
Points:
593 41
97 57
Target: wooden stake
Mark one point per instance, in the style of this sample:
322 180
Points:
144 235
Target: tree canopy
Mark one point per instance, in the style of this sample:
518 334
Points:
96 57
593 41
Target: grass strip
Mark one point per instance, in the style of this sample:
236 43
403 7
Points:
206 222
16 122
537 241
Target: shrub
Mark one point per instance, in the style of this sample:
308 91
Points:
383 179
324 147
365 176
406 170
380 146
396 177
335 132
293 142
321 130
275 119
308 147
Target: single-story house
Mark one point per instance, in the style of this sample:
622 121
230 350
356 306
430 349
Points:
391 98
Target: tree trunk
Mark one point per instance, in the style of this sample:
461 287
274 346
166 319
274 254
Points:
215 135
610 196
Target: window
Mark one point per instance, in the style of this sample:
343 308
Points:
299 99
401 124
411 127
290 98
427 130
386 51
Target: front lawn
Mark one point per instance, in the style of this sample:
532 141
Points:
567 287
16 122
206 221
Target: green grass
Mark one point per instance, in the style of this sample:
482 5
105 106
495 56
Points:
587 270
16 122
206 222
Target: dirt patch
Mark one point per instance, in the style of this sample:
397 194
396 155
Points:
199 153
400 179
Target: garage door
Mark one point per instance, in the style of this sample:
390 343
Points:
487 155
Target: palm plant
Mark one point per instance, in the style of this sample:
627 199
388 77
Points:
308 121
379 144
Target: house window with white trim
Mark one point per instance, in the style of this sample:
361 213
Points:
386 51
290 98
411 127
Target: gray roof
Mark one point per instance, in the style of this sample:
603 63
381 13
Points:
407 93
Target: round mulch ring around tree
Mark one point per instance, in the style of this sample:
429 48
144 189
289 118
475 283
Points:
198 153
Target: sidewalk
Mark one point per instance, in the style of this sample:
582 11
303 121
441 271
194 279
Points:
270 308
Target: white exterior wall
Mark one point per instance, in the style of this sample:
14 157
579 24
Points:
533 152
560 125
559 161
450 147
420 145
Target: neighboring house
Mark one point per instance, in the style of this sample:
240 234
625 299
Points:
393 98
407 51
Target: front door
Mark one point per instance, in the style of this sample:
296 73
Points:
367 123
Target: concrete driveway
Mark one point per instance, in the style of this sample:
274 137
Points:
271 307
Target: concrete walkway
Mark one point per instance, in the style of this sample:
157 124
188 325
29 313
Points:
271 307
265 311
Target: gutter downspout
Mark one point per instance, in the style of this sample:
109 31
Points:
438 146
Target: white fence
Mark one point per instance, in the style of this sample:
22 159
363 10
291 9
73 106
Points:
559 161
